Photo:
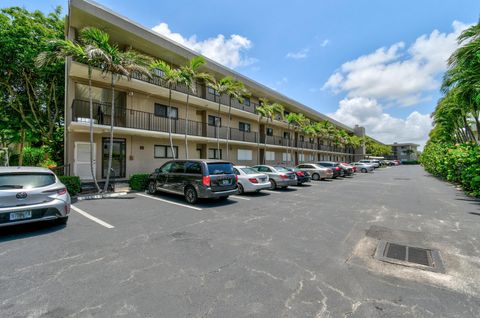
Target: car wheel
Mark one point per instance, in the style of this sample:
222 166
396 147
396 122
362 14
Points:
191 195
152 187
315 177
273 184
240 189
364 170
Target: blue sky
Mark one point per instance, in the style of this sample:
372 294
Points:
376 63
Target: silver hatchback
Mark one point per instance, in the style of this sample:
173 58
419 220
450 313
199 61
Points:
279 176
31 194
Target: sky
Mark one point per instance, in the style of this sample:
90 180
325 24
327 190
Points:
374 63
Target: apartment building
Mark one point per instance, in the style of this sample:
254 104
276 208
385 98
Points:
141 111
404 151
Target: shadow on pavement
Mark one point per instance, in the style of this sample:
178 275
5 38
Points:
16 232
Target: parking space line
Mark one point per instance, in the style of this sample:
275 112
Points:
271 191
91 217
171 202
238 197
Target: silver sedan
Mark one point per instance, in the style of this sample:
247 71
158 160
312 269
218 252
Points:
363 167
250 180
31 194
279 176
316 171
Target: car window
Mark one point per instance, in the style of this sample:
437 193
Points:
264 169
178 167
235 170
302 166
281 169
220 168
26 180
166 168
193 167
249 170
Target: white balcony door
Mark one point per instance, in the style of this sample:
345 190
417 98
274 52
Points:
81 166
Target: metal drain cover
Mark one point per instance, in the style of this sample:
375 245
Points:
422 258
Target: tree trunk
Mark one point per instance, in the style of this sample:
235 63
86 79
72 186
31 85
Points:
110 146
228 127
170 138
90 99
217 127
186 128
22 144
258 142
265 145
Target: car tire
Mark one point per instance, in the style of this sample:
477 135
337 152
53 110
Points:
315 176
191 195
152 187
273 184
364 170
240 189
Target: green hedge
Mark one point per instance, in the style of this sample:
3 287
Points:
139 181
459 163
72 183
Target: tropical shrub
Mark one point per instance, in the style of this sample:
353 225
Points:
34 156
139 181
72 183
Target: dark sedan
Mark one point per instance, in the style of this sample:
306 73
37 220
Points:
302 176
337 170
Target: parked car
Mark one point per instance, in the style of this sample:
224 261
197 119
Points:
374 162
337 170
250 180
31 194
316 171
279 176
349 165
347 169
195 179
302 176
363 167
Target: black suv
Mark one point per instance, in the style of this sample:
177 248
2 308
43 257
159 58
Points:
195 179
337 170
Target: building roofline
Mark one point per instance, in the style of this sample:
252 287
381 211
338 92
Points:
104 13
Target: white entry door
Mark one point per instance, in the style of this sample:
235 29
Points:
82 160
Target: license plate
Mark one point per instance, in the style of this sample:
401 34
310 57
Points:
14 216
225 182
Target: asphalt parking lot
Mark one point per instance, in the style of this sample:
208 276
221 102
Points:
301 252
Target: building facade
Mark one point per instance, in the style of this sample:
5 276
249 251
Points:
142 114
404 151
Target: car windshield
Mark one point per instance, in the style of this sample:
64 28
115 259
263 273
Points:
220 168
26 180
281 169
249 170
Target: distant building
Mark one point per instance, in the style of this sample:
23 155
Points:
404 151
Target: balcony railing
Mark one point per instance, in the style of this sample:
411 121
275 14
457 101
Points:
130 118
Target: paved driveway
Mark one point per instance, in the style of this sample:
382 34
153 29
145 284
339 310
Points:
303 252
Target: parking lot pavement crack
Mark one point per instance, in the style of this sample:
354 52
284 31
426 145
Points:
65 258
323 312
268 274
85 309
293 295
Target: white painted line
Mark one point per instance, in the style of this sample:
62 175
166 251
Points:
171 202
238 197
91 217
271 191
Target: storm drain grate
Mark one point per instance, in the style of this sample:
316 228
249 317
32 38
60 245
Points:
423 258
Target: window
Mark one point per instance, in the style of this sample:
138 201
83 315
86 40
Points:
161 111
244 127
264 169
301 157
166 168
214 121
246 101
193 167
178 167
220 168
269 131
213 92
287 156
26 180
302 138
249 170
244 154
286 135
161 151
311 157
214 153
158 72
270 155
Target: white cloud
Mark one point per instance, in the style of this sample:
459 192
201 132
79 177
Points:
302 54
227 51
398 74
325 43
367 112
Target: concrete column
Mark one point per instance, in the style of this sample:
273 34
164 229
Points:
360 151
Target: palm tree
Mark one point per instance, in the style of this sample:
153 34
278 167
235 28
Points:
262 112
265 110
292 120
189 75
221 87
172 77
84 52
236 91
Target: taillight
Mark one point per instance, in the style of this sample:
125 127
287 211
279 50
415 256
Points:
61 191
253 180
206 181
283 176
337 168
300 173
67 208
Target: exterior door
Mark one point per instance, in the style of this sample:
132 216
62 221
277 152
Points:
81 167
118 157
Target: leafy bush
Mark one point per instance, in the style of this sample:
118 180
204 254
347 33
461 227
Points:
410 162
459 163
139 181
34 156
72 183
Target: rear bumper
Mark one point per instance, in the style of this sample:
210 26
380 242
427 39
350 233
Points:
303 179
48 211
253 187
209 194
286 183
